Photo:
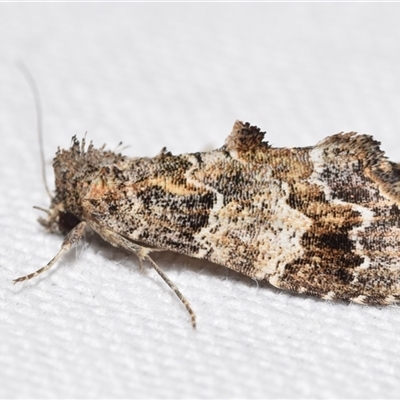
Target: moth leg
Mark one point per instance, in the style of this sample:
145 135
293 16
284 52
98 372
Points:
176 291
143 254
73 237
140 264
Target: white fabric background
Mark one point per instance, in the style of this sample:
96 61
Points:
178 75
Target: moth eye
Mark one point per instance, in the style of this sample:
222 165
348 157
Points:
67 221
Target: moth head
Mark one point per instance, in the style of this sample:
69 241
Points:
58 220
74 171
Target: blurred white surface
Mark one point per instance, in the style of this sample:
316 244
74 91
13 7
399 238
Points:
178 75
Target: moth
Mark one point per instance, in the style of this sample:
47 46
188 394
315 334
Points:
322 220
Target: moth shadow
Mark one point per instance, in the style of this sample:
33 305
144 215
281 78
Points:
174 262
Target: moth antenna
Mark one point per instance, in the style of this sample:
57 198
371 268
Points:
39 117
175 290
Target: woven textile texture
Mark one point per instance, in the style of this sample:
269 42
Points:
179 75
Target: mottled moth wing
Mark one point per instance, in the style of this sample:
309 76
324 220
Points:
321 220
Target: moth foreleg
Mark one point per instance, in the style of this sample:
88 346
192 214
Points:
73 237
